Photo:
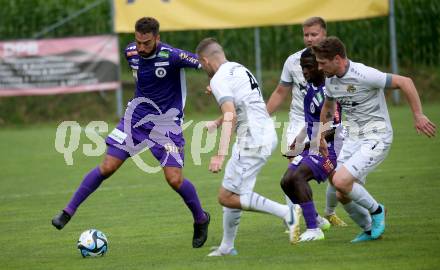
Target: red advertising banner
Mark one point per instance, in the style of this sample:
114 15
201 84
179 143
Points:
59 66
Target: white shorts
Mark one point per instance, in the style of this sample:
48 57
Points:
362 156
243 167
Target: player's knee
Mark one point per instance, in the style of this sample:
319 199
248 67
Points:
108 167
225 200
340 183
175 181
342 198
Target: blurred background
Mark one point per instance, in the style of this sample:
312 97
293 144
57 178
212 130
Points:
367 40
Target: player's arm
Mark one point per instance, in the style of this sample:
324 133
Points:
406 85
278 96
185 59
211 126
297 147
326 119
228 123
132 57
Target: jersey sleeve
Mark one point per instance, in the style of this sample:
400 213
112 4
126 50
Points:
131 55
286 75
376 79
185 59
221 90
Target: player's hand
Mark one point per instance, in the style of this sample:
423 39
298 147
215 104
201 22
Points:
424 125
323 147
208 90
216 163
211 126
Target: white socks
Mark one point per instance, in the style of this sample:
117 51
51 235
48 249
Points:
231 220
361 196
359 215
331 200
255 202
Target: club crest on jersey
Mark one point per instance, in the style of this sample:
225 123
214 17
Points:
351 88
160 72
312 107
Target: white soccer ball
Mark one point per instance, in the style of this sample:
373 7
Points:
92 243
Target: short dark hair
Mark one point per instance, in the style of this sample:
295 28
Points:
147 25
205 44
329 48
315 20
307 53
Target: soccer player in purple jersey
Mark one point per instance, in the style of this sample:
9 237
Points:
310 164
153 119
292 80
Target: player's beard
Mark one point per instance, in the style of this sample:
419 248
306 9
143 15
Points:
146 55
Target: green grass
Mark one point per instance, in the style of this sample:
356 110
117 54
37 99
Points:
148 226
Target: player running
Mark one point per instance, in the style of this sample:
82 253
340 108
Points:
238 95
292 81
153 119
311 164
359 90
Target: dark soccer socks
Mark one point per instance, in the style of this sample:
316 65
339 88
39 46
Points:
201 232
60 220
378 210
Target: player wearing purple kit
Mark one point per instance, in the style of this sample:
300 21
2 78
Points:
311 164
152 120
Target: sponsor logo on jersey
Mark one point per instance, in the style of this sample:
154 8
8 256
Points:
160 72
328 166
118 135
351 88
185 56
172 148
161 64
164 54
319 97
131 53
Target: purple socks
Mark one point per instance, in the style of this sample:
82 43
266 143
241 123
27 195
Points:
309 213
90 183
94 179
189 195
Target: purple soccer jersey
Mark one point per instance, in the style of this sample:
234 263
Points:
320 165
156 110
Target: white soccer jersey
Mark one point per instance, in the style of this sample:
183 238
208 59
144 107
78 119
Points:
292 75
233 82
360 92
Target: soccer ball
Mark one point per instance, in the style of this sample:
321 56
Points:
92 243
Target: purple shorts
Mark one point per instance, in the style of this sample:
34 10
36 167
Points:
165 145
321 166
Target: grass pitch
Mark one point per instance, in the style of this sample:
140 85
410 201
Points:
149 227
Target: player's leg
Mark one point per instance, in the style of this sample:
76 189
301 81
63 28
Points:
359 215
231 221
92 180
295 185
348 186
331 201
188 193
169 151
